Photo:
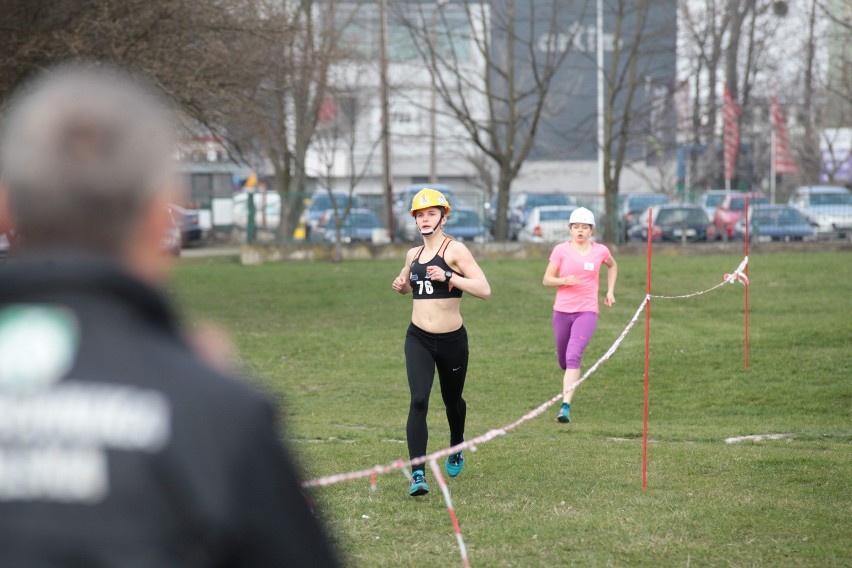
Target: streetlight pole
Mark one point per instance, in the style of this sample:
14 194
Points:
383 81
600 77
433 108
433 128
610 202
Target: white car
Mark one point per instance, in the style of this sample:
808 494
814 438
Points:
267 207
4 246
828 206
524 202
547 224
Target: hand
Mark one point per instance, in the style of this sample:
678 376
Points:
610 299
570 280
212 344
436 273
399 284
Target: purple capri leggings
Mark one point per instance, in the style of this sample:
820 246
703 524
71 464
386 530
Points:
572 333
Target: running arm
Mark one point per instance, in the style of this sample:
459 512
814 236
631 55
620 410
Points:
469 276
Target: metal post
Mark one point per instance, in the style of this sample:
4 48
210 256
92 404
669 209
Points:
433 103
646 405
600 64
251 224
383 79
433 147
772 172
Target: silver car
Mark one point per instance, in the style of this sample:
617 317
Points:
359 225
828 206
4 246
547 224
523 203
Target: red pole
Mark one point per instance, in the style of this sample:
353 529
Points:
647 355
746 284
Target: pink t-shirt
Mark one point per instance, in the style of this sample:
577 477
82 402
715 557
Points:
581 297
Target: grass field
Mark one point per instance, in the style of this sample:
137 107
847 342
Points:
327 339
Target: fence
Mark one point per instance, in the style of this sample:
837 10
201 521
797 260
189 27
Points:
820 218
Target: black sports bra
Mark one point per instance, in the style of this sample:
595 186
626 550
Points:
422 287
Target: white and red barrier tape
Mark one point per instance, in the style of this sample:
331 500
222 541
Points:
737 275
451 510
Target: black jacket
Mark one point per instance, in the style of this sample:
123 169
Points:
118 447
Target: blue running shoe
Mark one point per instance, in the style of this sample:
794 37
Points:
564 413
418 484
455 463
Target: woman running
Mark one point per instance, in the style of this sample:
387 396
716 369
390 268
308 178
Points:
574 271
436 273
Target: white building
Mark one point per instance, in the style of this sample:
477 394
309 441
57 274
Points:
565 157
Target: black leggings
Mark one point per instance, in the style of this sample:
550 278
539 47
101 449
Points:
423 352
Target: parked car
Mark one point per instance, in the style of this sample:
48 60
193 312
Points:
321 201
4 246
775 223
547 224
631 205
404 225
173 239
729 211
829 206
675 222
358 226
522 203
465 224
191 232
711 199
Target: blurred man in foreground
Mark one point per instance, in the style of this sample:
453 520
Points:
119 446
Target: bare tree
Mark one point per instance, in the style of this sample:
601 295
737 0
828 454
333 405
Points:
809 151
640 38
203 53
819 86
839 84
752 74
337 140
284 114
705 25
837 118
499 100
737 12
756 45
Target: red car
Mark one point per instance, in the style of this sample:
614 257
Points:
729 211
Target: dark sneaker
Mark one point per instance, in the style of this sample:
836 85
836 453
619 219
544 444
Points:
455 463
418 484
564 413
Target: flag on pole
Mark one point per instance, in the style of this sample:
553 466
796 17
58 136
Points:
730 133
327 111
781 151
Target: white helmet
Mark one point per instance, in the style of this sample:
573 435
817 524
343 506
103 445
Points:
582 215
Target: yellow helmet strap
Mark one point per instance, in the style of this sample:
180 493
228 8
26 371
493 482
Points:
440 224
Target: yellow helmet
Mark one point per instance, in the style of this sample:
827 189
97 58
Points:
428 197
